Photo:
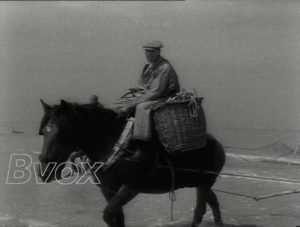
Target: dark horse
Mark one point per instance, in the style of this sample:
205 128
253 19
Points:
94 130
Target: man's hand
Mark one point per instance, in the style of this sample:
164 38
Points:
127 110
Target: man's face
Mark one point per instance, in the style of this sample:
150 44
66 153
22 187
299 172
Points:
152 54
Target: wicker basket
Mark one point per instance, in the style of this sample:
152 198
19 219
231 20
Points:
179 126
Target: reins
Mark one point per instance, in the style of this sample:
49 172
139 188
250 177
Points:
256 198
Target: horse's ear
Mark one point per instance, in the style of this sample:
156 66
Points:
66 106
64 103
46 106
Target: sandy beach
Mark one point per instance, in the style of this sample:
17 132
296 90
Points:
251 153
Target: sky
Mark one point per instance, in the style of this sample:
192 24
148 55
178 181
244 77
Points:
241 56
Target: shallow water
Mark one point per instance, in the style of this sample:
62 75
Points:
53 204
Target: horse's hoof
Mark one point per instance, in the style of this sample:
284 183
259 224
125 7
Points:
219 225
195 225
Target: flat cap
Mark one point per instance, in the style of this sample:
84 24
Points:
154 44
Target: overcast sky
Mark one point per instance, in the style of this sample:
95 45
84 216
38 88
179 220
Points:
241 56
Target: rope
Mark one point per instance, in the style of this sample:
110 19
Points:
276 195
172 195
235 175
236 194
258 198
254 177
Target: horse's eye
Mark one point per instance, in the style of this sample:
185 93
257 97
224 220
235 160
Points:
48 129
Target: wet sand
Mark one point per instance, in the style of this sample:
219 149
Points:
54 204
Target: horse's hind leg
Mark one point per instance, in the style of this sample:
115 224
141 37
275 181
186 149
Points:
115 204
212 201
119 219
200 209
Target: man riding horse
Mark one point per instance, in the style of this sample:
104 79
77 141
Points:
97 131
158 81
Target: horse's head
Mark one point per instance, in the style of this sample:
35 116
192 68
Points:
69 127
58 143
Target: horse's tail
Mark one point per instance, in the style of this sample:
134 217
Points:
218 153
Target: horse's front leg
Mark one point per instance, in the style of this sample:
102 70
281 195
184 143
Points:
113 214
200 208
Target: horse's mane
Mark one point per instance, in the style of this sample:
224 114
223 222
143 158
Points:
84 120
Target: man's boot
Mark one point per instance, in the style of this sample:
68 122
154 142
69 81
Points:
140 155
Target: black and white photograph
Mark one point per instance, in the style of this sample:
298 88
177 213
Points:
171 113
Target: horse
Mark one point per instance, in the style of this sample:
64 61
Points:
94 129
